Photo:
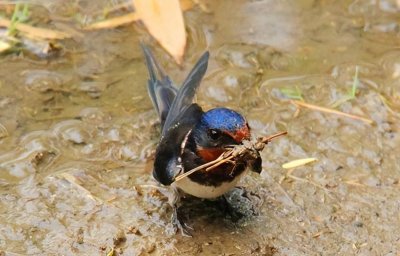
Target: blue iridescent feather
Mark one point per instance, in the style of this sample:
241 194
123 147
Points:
223 119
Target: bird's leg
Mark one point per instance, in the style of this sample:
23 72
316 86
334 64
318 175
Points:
174 200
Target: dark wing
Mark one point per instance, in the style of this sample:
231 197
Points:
177 113
186 93
166 165
160 87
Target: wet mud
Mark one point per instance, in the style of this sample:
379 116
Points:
78 133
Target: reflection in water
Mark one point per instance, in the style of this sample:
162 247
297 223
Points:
273 23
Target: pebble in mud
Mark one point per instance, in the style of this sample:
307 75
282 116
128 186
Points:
80 236
119 239
76 135
134 230
151 248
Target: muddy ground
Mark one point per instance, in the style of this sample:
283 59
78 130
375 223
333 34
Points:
78 133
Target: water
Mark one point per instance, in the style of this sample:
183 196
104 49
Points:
78 133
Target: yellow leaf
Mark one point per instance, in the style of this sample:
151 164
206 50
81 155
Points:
128 18
186 4
298 162
111 253
4 46
164 20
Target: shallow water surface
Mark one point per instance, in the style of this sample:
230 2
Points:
78 133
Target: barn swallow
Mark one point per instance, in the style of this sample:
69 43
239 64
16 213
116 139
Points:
191 137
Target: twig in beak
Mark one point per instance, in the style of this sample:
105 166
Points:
236 151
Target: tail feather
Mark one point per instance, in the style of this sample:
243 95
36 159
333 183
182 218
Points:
160 87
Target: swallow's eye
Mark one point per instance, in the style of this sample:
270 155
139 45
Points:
214 134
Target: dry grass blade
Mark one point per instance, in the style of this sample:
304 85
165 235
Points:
290 175
266 140
198 168
3 131
35 32
298 162
113 22
71 179
237 151
331 111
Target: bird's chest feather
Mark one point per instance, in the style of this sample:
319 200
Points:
211 183
205 191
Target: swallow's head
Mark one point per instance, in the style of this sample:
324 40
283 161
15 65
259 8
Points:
217 129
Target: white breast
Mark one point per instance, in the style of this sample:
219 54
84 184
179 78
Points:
202 191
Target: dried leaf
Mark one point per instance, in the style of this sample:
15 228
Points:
298 162
128 18
186 5
164 20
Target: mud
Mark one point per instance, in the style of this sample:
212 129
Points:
78 133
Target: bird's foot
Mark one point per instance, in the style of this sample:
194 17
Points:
179 224
174 200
